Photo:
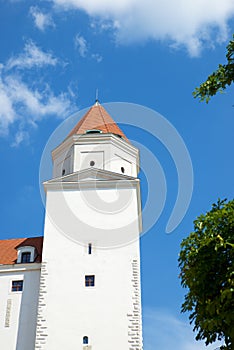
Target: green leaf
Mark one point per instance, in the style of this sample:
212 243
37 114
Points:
206 263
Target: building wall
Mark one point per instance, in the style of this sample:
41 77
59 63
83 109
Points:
18 310
63 163
108 313
111 154
106 156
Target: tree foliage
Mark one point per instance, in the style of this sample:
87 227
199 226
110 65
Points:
207 269
220 79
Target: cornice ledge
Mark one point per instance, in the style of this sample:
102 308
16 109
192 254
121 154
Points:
92 184
19 267
95 139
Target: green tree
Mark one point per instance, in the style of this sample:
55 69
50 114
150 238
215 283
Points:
206 262
220 79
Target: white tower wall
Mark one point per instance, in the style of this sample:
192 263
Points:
93 202
110 312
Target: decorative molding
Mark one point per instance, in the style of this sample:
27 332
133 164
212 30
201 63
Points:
41 331
139 208
134 318
95 139
8 313
92 178
94 173
19 267
92 184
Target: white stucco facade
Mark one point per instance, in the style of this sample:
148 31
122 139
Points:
95 206
18 314
107 151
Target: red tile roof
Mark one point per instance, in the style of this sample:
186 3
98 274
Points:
8 249
97 118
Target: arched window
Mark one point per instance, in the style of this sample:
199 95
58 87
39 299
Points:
26 254
85 340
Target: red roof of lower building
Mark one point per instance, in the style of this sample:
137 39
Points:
8 249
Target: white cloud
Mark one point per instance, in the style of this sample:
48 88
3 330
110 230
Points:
41 20
20 103
7 112
21 136
97 57
104 25
24 104
81 45
193 24
34 102
98 7
83 48
163 330
32 56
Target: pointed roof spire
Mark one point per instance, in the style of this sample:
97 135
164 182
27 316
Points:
97 118
97 100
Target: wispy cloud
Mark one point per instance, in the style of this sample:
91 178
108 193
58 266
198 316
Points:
164 331
81 45
41 20
20 136
32 56
35 102
7 112
20 102
180 23
97 57
24 103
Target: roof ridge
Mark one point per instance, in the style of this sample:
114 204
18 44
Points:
106 125
13 239
80 123
85 117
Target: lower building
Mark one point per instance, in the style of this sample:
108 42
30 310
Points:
20 265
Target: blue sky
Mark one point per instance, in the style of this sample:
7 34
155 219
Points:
55 54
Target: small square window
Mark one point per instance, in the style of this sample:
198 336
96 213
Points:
89 281
85 340
26 258
90 248
17 286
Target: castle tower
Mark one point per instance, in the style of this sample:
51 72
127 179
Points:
90 295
